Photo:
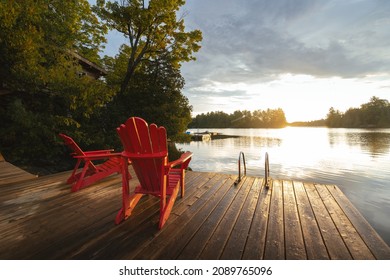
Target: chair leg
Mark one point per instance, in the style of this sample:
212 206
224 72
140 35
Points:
165 212
182 182
73 177
129 205
79 183
128 201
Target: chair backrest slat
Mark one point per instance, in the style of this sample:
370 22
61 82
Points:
72 144
140 139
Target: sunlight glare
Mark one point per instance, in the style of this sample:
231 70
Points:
302 97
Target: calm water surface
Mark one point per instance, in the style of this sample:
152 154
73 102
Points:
356 160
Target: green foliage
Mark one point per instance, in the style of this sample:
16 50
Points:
153 31
270 118
36 35
375 113
45 94
154 95
334 118
146 72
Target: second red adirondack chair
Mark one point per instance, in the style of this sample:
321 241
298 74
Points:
146 147
90 173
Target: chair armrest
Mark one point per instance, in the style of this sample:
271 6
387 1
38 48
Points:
186 157
99 152
144 156
99 156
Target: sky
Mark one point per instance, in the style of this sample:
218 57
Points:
303 56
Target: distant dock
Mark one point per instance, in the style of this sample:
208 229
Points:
41 218
201 136
206 136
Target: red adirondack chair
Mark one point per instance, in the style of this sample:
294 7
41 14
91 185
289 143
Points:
146 147
90 172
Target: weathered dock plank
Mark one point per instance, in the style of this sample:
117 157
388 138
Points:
217 241
41 219
295 247
275 245
314 244
197 244
376 245
132 236
10 173
255 244
333 241
347 231
191 224
235 246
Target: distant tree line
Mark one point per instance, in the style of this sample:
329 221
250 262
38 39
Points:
321 122
270 118
375 113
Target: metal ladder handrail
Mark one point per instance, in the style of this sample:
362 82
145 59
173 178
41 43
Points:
266 171
240 155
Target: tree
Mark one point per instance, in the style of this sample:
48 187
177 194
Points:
352 118
278 118
152 30
146 72
154 94
38 35
270 118
239 119
334 118
375 113
45 94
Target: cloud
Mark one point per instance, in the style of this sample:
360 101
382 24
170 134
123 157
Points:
259 54
254 40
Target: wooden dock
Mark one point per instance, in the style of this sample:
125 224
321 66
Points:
41 219
9 173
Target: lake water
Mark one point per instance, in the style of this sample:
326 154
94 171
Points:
356 160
